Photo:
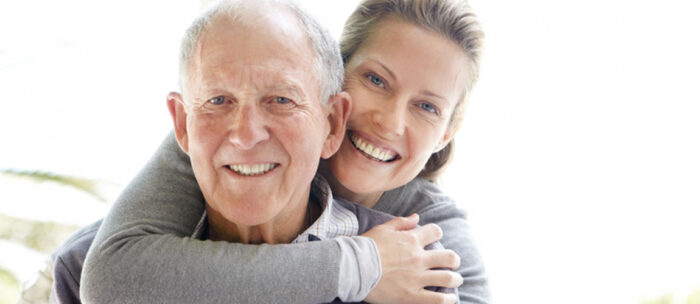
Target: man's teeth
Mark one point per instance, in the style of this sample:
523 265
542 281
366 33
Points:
375 152
252 169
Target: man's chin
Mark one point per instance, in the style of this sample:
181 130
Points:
249 212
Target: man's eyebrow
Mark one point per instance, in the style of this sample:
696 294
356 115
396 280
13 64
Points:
288 86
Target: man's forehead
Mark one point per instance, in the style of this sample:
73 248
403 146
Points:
276 76
270 43
279 25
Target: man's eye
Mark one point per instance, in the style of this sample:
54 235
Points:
218 100
282 100
428 107
375 80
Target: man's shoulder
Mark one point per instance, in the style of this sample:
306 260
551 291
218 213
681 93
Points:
68 262
78 243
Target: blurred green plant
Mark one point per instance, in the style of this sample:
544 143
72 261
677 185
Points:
40 236
670 298
9 287
693 298
664 299
89 186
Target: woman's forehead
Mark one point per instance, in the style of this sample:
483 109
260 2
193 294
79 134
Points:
419 58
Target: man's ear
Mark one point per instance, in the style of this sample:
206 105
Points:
339 106
176 106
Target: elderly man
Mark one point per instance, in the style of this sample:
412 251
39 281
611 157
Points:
260 105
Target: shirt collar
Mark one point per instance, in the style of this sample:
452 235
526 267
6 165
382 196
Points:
334 221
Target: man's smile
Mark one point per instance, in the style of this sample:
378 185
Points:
252 169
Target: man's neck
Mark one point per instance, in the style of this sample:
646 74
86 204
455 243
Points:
280 230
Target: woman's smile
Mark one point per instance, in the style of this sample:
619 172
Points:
372 151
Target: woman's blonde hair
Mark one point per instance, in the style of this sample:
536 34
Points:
454 19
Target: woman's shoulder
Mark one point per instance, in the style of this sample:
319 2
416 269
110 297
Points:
414 197
419 190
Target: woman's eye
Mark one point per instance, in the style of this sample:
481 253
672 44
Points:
428 107
375 80
282 100
218 100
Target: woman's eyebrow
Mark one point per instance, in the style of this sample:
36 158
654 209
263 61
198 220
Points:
434 95
387 70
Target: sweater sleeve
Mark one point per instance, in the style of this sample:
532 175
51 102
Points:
143 252
433 206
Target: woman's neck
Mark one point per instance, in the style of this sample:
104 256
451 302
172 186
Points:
368 200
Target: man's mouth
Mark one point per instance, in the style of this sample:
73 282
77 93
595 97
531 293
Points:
370 151
252 170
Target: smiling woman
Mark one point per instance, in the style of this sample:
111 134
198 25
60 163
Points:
402 109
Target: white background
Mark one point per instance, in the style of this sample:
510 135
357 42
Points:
578 159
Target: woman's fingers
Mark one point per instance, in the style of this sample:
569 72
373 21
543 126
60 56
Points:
406 265
427 234
442 258
442 278
403 223
433 297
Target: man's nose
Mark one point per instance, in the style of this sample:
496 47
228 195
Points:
390 118
248 128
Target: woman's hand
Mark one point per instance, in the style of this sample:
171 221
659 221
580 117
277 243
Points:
406 265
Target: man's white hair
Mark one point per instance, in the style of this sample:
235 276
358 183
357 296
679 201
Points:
328 64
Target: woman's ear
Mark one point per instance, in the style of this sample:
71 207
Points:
449 135
176 106
339 107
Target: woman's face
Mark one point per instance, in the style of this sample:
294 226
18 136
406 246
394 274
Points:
404 82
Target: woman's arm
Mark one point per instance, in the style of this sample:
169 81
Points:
433 206
143 253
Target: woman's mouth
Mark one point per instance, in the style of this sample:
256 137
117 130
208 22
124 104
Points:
370 151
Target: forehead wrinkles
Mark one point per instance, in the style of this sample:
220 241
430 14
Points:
232 54
255 78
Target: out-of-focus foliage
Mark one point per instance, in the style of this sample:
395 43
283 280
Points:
78 183
40 236
693 298
670 298
9 288
665 299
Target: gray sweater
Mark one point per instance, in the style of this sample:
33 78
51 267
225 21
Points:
69 258
142 252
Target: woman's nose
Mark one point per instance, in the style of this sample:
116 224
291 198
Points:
391 119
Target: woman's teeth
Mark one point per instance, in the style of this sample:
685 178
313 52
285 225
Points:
250 170
372 151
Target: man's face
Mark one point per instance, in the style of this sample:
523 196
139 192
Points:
254 127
